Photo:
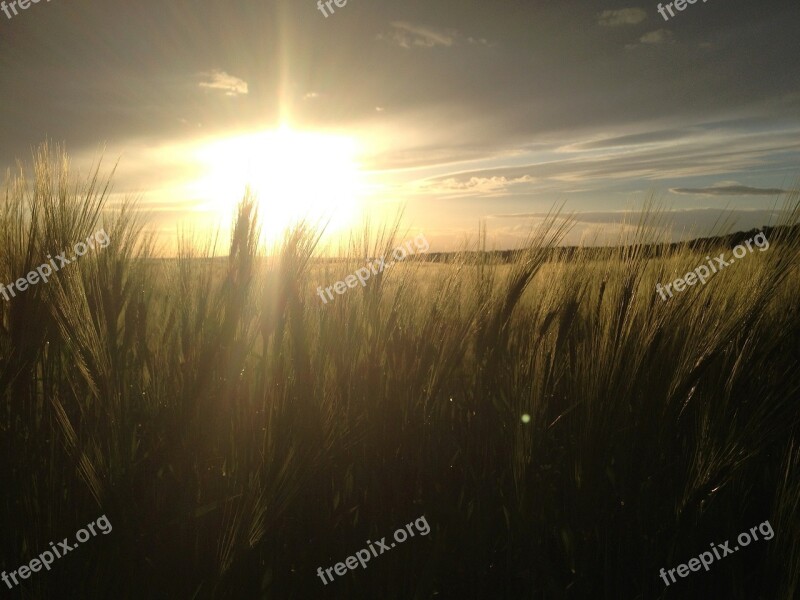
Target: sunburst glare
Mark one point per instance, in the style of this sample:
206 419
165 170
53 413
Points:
295 174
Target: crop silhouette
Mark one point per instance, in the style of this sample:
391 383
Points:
239 434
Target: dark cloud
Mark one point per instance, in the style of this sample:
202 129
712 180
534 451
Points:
87 72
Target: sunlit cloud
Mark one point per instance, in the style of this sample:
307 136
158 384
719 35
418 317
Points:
481 185
219 80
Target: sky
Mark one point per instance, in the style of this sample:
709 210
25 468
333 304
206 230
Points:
455 112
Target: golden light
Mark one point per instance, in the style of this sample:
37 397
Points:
296 175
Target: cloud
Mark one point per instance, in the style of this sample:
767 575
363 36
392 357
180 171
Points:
220 80
407 35
479 41
483 185
624 16
659 36
637 139
730 190
714 154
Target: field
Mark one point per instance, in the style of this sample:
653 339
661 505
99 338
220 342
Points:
564 431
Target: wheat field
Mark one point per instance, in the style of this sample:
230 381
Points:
565 432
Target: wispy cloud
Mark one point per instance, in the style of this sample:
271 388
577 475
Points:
703 158
220 80
623 16
408 35
482 185
730 190
637 139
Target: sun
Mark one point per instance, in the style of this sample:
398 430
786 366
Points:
296 175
